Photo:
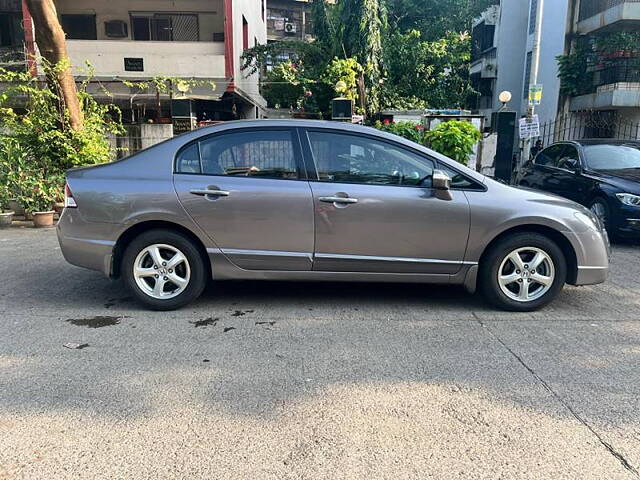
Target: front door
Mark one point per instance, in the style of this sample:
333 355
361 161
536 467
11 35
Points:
375 210
245 190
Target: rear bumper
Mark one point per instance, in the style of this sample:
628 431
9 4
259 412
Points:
85 244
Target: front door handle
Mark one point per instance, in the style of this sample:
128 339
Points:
338 200
213 193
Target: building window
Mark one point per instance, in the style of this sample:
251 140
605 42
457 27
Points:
533 14
245 34
79 27
482 37
165 27
11 32
527 75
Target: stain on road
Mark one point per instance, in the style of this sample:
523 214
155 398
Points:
204 322
98 321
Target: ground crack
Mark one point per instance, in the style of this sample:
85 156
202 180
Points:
623 461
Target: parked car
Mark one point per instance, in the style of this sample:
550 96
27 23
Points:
601 175
310 200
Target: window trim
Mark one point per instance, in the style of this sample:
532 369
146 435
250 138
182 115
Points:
313 173
295 141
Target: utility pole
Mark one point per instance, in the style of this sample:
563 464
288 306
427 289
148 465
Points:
535 67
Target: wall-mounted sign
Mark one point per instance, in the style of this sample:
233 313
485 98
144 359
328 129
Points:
133 64
535 94
529 127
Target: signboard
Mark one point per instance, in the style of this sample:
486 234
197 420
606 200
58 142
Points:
133 64
529 127
535 94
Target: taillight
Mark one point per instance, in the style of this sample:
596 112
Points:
69 201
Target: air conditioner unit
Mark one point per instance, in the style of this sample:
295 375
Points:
290 28
115 29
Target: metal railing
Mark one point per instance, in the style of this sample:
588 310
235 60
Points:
589 8
623 70
589 124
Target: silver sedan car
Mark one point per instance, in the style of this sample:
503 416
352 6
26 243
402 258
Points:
309 200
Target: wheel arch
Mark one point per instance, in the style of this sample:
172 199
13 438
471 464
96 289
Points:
132 232
549 232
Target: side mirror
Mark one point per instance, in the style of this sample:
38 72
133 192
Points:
441 181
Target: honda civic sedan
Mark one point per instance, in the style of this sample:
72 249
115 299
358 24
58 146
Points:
603 175
308 200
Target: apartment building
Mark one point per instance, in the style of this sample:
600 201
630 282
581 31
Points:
613 83
288 20
132 41
502 55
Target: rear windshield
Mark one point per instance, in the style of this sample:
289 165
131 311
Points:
612 157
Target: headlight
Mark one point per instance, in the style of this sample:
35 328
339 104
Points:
588 221
629 199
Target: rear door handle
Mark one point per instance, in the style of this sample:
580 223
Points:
338 200
213 193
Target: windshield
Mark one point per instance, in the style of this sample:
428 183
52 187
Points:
612 157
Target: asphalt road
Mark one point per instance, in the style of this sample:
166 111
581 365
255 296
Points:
298 380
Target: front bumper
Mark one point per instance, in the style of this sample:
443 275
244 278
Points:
593 251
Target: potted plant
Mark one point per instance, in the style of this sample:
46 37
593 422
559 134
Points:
39 194
6 215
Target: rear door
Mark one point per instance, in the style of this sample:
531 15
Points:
247 190
375 210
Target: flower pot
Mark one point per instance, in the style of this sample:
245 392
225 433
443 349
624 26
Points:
6 218
43 219
15 205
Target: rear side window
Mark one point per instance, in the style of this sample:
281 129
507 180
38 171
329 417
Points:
256 153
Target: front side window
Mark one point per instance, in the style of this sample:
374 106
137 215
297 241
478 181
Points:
343 158
261 154
549 157
570 159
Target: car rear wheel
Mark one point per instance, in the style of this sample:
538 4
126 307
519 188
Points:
164 269
523 272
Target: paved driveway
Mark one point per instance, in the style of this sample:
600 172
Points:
298 380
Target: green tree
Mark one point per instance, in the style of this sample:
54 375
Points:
434 18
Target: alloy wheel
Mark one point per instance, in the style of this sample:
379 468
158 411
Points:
161 271
526 274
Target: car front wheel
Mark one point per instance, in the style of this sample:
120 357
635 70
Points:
523 272
164 269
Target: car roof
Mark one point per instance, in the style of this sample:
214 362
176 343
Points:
605 141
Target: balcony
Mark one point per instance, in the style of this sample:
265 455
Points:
13 58
487 65
615 85
603 15
147 59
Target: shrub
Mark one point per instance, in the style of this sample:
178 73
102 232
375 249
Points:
455 139
409 130
38 143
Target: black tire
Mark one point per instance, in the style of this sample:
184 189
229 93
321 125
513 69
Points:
488 275
606 213
196 263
